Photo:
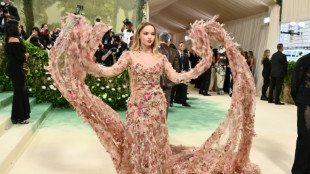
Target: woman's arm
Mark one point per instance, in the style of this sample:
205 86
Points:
103 71
252 62
175 77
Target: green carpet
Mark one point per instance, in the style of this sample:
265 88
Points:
202 115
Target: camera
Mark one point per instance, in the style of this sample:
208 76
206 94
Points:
117 38
127 22
115 43
4 7
79 8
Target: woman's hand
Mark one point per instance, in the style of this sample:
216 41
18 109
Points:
26 55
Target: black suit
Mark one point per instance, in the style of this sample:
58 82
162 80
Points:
13 14
181 91
278 71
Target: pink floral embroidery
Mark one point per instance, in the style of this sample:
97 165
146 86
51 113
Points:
120 139
147 96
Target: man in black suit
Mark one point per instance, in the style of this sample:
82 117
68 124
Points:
278 71
11 13
183 67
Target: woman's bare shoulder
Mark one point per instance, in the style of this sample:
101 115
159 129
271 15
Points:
13 39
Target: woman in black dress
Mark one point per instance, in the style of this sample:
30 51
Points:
266 73
16 54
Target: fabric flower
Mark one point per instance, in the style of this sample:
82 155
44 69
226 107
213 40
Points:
147 96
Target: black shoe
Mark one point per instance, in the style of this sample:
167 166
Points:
270 101
264 98
171 104
186 104
230 95
206 94
20 122
278 103
201 93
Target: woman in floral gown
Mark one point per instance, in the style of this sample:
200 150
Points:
141 143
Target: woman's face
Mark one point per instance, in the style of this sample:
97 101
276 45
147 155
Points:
268 53
147 36
35 32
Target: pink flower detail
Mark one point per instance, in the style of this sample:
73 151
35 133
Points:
138 112
227 147
147 96
130 104
73 94
157 69
140 106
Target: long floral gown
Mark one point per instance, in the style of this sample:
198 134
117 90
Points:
141 143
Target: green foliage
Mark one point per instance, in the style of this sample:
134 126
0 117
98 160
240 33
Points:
290 68
114 91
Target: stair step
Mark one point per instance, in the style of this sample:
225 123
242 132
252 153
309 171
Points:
14 140
5 115
6 98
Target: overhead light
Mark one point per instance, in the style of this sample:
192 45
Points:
301 24
266 20
186 38
293 24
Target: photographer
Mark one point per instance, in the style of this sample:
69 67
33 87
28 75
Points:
110 51
128 33
45 35
35 38
103 54
7 12
55 34
118 46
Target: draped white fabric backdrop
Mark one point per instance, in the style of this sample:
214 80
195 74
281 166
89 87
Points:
295 10
251 33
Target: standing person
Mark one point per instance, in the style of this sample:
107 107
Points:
8 12
266 73
278 71
181 91
300 91
16 54
35 38
128 32
250 60
213 72
205 82
221 70
140 144
300 54
172 56
46 36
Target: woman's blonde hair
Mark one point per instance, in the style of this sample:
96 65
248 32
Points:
137 43
265 55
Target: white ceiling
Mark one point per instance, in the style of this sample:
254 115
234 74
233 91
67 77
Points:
175 16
